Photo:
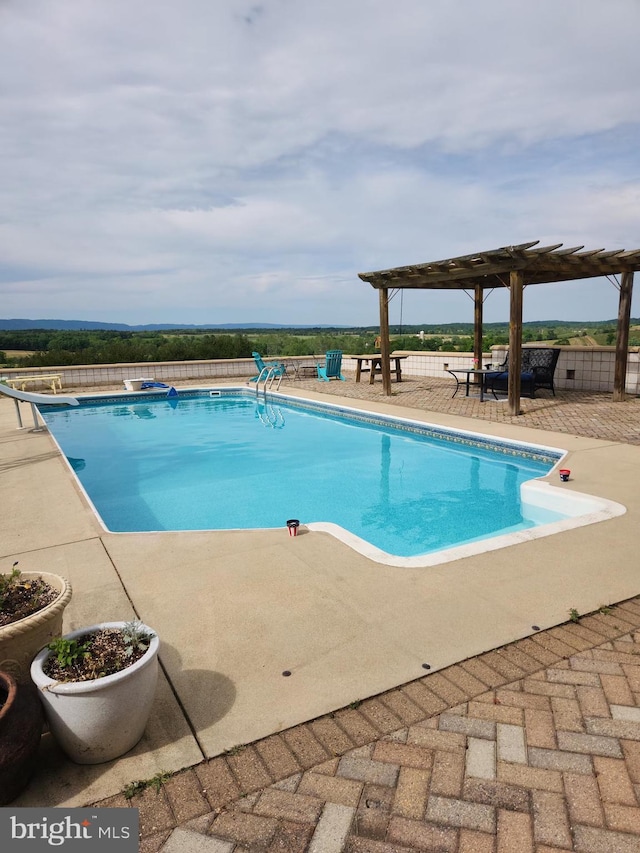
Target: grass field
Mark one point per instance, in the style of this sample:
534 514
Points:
18 353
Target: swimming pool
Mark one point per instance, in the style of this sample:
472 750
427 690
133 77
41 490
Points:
226 459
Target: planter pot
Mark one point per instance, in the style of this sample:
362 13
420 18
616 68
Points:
98 720
20 729
21 640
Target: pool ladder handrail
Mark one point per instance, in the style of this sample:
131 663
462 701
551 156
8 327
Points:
270 416
268 374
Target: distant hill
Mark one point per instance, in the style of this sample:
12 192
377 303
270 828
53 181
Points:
20 324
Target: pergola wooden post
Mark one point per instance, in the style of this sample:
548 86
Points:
384 340
523 265
622 338
478 300
515 340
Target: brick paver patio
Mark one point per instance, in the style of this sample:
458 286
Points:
531 747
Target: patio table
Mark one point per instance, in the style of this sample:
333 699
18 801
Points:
300 371
466 382
376 366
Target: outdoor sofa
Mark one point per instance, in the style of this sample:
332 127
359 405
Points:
537 371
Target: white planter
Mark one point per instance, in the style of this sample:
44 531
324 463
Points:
135 384
96 721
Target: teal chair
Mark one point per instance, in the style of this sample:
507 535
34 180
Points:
280 369
331 367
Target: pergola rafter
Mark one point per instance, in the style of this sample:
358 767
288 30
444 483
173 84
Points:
513 267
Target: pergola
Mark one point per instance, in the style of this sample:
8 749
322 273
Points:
513 267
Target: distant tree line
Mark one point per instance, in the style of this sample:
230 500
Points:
58 348
111 347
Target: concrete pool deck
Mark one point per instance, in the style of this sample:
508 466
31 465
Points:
234 610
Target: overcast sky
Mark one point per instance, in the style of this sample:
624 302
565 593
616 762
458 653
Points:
212 161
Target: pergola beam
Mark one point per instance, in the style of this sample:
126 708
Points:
542 265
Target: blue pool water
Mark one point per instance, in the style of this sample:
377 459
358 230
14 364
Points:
229 461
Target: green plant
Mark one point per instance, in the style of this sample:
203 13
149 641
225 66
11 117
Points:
21 596
574 615
8 582
68 652
135 638
97 653
604 609
141 785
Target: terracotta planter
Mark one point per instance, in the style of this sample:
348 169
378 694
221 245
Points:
98 720
21 720
22 640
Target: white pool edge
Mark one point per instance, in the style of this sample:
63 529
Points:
588 509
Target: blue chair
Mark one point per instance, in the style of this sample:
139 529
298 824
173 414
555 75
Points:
331 367
279 369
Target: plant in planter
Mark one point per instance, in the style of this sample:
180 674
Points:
20 730
97 685
31 608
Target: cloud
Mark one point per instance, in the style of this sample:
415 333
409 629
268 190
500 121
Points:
204 157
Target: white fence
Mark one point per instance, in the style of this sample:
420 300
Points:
579 368
90 375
